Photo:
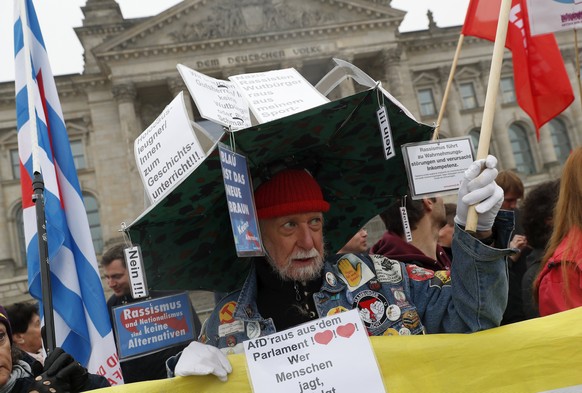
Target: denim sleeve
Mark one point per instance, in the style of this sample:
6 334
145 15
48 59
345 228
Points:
475 297
171 364
503 228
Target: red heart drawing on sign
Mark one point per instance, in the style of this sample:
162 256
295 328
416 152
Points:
346 330
324 337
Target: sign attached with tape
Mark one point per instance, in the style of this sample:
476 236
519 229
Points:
137 277
386 132
150 325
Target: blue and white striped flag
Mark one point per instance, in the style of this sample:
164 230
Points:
82 325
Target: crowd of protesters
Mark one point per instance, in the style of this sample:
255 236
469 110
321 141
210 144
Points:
538 241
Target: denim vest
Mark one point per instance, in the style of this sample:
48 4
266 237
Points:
392 298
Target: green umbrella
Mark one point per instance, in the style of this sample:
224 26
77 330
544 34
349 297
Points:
186 239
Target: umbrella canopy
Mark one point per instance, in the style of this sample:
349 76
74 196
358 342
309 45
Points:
186 239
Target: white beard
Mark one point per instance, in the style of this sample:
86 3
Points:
292 273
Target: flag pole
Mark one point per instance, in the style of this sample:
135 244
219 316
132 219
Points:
491 97
435 135
38 191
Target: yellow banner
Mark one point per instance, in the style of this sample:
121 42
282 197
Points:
533 356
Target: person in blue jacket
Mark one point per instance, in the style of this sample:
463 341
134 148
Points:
295 283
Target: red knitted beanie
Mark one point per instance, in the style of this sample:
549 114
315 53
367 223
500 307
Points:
291 191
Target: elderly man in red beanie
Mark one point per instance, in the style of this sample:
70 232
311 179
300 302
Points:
295 282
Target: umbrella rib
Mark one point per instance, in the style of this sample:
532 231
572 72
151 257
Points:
337 132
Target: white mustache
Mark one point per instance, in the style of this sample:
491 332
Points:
301 254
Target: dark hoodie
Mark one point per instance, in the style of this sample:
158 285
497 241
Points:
392 246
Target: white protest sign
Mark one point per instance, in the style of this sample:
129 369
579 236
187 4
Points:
275 94
437 167
137 277
551 16
328 355
216 99
386 132
167 151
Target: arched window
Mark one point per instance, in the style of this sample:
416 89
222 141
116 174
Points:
524 161
474 134
560 138
21 240
92 208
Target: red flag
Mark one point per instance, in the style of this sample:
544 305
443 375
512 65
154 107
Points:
542 85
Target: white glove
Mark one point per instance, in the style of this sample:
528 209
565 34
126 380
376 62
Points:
202 359
480 188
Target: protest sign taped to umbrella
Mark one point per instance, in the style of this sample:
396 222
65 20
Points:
312 358
137 278
437 167
276 94
167 151
150 325
241 206
217 100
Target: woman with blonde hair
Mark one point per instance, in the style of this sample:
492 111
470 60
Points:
559 284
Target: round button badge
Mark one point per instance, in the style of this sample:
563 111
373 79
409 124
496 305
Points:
393 312
330 278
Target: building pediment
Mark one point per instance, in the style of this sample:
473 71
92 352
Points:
200 21
467 72
425 78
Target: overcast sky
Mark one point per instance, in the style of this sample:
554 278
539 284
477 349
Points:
59 17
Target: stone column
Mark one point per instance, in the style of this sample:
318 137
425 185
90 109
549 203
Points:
392 71
176 85
130 128
500 132
546 146
125 96
453 107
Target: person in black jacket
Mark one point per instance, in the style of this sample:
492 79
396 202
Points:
19 372
148 367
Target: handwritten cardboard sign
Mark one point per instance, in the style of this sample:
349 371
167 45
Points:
241 207
216 99
437 167
275 94
329 355
150 325
167 151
